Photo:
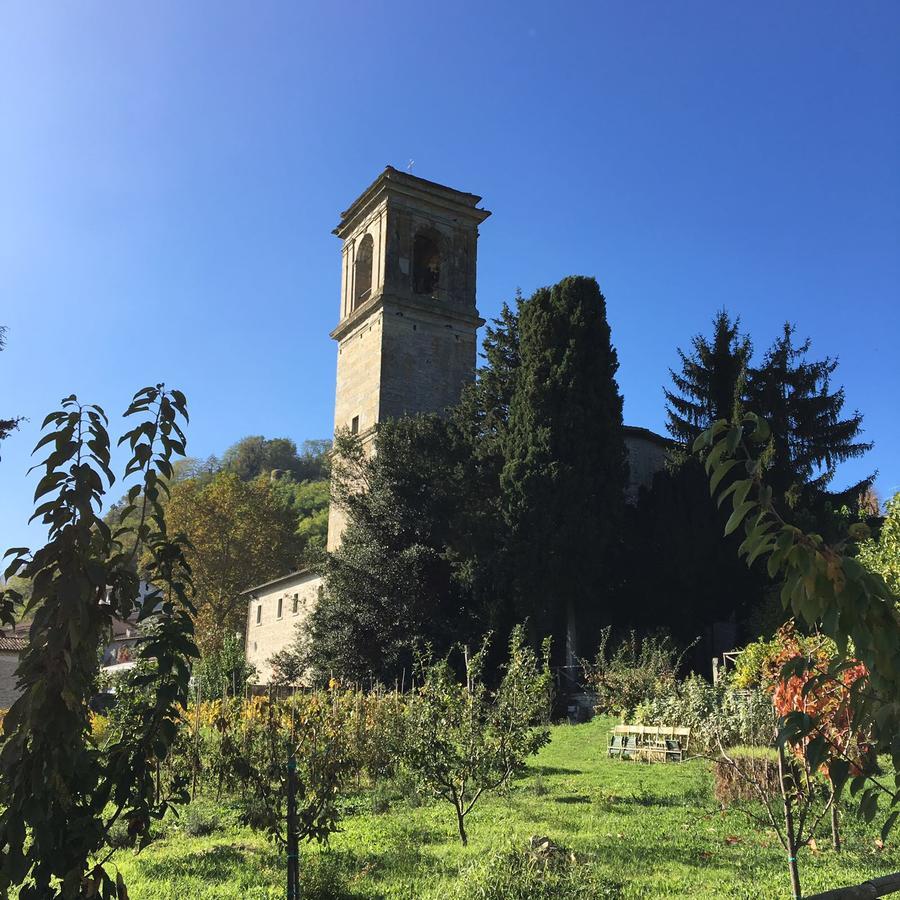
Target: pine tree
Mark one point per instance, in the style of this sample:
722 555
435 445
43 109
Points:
809 437
565 472
712 381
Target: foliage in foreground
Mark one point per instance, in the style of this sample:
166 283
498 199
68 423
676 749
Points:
60 797
831 592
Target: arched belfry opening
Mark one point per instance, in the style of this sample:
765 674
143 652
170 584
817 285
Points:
426 263
362 271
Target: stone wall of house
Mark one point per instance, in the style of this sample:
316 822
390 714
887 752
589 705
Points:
9 661
646 457
271 628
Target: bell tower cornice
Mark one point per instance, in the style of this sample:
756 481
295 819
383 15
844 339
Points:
401 186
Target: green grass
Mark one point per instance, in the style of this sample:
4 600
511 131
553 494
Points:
652 829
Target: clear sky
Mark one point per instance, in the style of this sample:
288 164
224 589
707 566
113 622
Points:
170 174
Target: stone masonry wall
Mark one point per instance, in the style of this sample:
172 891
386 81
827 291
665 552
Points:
427 358
359 374
8 691
273 632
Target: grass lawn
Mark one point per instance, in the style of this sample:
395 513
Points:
638 830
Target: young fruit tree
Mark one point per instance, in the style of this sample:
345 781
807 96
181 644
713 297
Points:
828 590
463 739
814 690
59 794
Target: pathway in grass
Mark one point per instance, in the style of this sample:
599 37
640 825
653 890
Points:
653 829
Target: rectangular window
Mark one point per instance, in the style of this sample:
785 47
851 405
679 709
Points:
258 613
280 601
295 606
354 425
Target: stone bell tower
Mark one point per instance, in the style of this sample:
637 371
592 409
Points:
407 332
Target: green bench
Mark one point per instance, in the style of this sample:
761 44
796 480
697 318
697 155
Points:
650 743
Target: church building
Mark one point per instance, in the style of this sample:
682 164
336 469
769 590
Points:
407 344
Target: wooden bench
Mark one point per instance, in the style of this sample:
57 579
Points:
659 743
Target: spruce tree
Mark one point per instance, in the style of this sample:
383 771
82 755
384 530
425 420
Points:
565 471
809 436
483 411
712 380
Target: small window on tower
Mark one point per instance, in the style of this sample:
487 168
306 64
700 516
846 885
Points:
426 264
258 613
280 601
354 425
295 606
362 287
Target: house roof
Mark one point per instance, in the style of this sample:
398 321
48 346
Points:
16 638
648 435
12 643
291 576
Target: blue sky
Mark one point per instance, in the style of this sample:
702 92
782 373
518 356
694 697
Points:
170 174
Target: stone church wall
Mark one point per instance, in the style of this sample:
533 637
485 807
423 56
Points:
359 375
432 357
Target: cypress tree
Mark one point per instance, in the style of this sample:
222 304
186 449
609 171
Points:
565 461
712 381
809 436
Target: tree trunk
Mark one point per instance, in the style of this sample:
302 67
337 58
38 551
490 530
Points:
462 826
293 860
789 827
835 828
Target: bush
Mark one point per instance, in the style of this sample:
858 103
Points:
329 876
513 874
118 836
713 713
224 670
200 819
638 670
757 665
751 766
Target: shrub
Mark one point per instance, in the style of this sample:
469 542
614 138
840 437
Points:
638 670
513 874
382 796
118 836
200 819
757 664
329 876
714 713
224 670
751 769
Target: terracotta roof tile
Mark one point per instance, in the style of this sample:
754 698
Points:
12 642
